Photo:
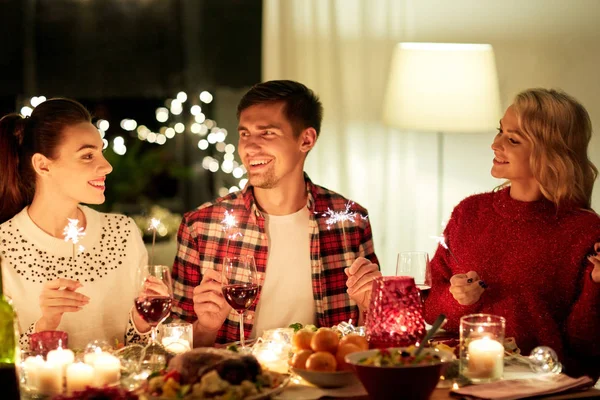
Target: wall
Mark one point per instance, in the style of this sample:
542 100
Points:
538 43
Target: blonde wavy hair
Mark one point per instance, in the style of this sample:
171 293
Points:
560 130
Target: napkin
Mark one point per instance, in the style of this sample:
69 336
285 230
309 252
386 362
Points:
522 388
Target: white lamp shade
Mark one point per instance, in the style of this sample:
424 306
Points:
442 87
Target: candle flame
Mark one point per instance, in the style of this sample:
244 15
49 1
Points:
455 386
72 231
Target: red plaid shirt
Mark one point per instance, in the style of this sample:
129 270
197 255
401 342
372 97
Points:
203 243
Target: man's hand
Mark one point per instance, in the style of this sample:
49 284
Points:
467 288
58 297
361 274
209 304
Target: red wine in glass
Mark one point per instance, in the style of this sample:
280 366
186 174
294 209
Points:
153 309
240 296
423 290
239 284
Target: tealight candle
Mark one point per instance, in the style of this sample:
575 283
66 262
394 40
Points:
31 365
107 370
486 359
50 378
79 376
273 356
176 345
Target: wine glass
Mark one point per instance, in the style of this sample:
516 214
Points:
239 284
153 303
416 265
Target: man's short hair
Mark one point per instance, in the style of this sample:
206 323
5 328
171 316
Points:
302 106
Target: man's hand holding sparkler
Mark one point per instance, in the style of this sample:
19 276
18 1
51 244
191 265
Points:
210 307
467 288
361 274
58 297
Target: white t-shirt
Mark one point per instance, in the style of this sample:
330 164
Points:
287 295
107 269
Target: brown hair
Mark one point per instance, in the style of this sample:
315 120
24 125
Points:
560 130
302 106
21 138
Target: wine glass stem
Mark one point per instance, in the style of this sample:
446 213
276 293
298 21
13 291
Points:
153 334
242 330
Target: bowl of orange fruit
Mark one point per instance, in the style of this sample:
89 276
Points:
319 357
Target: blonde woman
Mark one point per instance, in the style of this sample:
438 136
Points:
522 251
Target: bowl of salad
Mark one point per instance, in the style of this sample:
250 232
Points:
397 373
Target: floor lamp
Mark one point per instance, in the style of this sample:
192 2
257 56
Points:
442 88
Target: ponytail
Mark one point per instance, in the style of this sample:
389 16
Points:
13 193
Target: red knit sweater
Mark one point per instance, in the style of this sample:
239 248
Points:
534 262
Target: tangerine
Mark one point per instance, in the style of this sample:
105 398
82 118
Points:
321 361
325 339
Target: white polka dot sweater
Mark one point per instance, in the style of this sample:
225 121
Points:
107 267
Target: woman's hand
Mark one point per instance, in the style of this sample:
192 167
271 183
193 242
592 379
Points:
152 287
467 288
595 259
58 297
361 274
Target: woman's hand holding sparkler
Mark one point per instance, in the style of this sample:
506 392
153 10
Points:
595 259
467 288
361 274
210 306
58 297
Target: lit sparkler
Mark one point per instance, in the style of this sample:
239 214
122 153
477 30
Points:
72 233
442 242
334 217
229 223
154 223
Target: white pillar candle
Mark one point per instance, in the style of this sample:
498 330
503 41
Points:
89 358
61 357
31 365
79 375
107 370
486 359
50 378
176 345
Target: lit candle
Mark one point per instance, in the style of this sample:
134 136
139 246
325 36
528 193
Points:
107 370
176 345
89 358
486 359
50 378
32 366
79 375
272 356
60 356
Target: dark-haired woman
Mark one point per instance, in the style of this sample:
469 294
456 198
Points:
51 162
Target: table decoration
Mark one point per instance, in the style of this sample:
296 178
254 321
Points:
177 337
481 347
395 314
78 376
40 343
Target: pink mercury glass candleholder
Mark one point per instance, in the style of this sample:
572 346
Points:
395 316
40 343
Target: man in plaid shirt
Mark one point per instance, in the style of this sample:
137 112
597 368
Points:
318 272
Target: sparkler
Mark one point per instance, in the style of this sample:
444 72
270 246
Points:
154 223
442 241
72 233
228 224
334 217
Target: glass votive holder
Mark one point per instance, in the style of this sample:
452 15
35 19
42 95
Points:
273 356
395 315
94 348
280 335
481 347
177 337
40 343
